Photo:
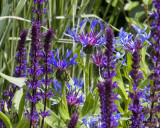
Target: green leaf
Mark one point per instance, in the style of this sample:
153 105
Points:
119 107
63 112
20 6
17 105
5 120
96 100
21 106
134 21
23 123
129 6
144 66
124 118
17 81
80 64
88 106
121 89
147 2
53 121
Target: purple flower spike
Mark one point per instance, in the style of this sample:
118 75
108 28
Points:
2 105
34 70
47 69
134 47
153 96
106 89
20 68
72 123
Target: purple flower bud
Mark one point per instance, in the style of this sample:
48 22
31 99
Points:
72 123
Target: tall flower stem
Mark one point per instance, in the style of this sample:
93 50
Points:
64 93
86 75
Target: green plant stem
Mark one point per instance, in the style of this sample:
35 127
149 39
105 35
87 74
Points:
64 93
86 76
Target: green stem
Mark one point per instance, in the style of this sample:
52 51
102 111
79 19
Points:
86 76
64 93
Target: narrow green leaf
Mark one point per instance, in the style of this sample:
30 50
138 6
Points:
63 112
5 120
88 106
23 123
17 81
20 6
124 118
21 106
134 21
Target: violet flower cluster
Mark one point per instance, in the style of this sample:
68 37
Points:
134 45
35 70
2 105
20 68
106 89
47 69
74 119
154 120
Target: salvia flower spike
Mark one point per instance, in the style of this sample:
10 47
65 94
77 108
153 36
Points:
47 69
20 68
154 88
106 89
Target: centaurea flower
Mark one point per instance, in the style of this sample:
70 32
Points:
92 121
62 64
73 95
87 39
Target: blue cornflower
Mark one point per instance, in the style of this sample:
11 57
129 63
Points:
127 40
141 34
73 95
123 36
63 64
90 38
98 58
92 121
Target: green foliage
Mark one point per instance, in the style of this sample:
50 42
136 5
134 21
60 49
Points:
6 120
